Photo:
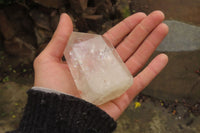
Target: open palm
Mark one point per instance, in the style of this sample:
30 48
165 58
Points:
135 39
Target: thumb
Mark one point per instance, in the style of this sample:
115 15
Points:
56 46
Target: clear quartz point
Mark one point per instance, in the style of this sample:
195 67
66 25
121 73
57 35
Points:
98 71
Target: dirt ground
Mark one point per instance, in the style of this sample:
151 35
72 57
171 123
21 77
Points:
155 116
181 10
144 115
12 101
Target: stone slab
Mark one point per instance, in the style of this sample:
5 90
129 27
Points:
181 37
179 80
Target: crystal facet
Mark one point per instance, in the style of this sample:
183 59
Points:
99 73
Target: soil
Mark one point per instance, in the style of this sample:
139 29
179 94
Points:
157 116
12 101
181 10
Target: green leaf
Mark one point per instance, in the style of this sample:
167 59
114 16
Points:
126 12
24 70
6 79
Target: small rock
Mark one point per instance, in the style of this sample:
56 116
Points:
83 4
41 47
93 17
90 10
21 23
55 16
181 110
98 55
91 32
18 37
106 26
94 22
41 19
42 35
189 122
5 26
79 5
18 47
81 25
51 3
104 8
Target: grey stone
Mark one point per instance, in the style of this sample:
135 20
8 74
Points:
179 79
181 37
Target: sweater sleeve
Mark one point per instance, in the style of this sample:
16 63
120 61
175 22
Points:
48 112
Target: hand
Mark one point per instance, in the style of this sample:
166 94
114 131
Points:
135 39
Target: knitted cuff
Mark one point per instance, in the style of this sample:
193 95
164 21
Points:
48 112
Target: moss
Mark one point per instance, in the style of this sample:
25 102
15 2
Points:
125 12
5 79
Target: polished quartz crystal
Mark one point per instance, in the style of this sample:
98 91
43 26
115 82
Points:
99 73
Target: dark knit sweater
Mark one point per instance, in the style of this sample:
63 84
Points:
48 112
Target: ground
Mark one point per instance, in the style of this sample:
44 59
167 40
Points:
181 10
144 115
156 116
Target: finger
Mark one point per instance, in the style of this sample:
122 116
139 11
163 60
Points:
116 107
147 75
118 32
137 36
143 53
56 46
